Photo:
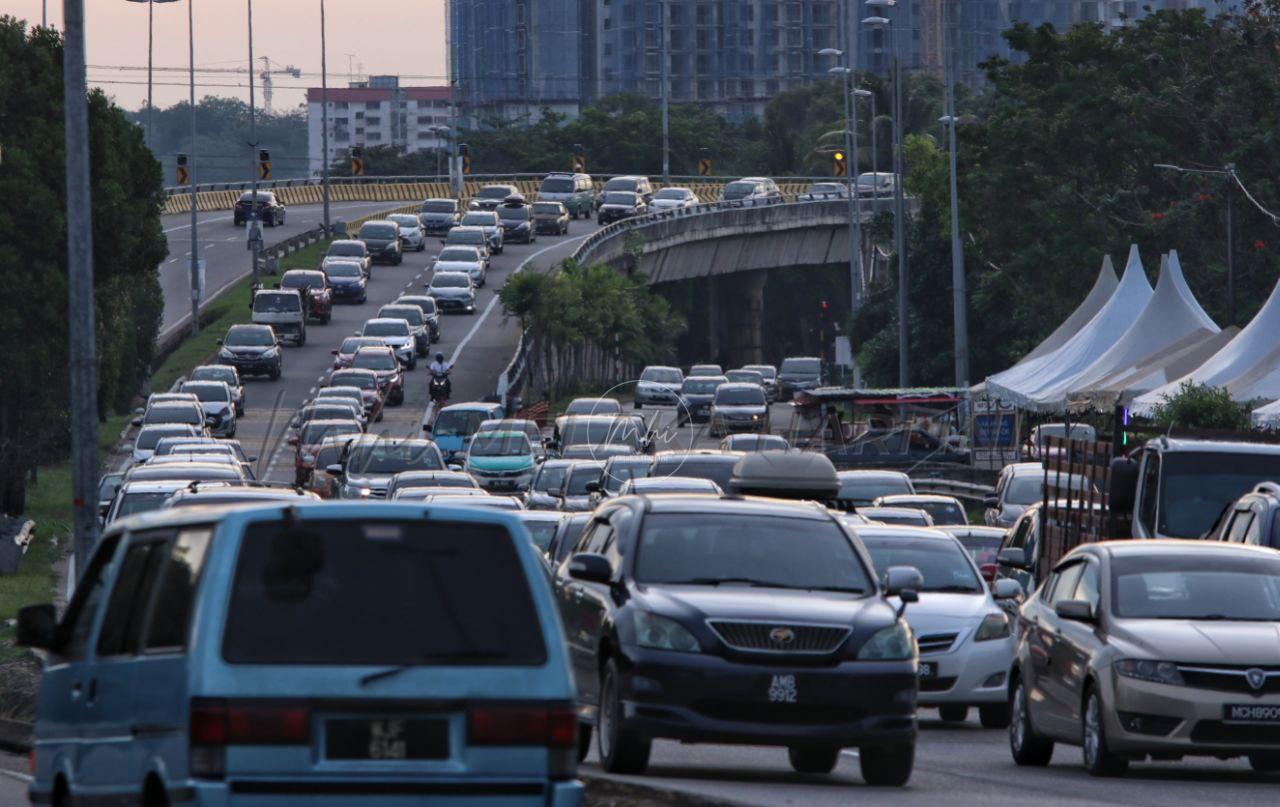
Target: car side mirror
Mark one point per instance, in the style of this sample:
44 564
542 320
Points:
1013 557
593 487
903 580
219 343
1006 589
293 441
590 568
1076 610
127 448
333 352
333 470
453 466
136 421
426 427
991 502
38 627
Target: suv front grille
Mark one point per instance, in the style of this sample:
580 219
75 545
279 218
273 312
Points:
1230 679
936 642
780 637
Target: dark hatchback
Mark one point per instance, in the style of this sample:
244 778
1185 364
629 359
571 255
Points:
618 205
382 239
732 620
347 281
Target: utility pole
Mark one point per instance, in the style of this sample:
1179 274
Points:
899 221
195 235
255 218
664 11
83 359
1230 169
959 311
324 122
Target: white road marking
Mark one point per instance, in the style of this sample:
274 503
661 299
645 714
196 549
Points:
21 777
851 752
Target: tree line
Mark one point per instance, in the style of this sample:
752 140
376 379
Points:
128 245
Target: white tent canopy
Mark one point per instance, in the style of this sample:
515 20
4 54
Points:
1266 416
1247 366
1156 370
1025 384
1103 287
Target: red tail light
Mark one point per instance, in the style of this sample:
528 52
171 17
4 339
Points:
553 726
231 723
988 571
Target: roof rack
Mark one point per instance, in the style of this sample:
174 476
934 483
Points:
1272 488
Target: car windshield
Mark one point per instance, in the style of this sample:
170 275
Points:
387 457
941 562
738 190
439 206
501 445
302 280
621 184
662 375
550 478
744 377
513 213
343 270
942 513
346 249
542 531
147 438
761 550
495 192
802 366
315 431
479 219
464 254
593 406
870 487
427 305
328 411
739 396
209 393
1196 585
265 302
579 477
982 547
431 592
215 372
405 222
552 208
1196 485
174 414
758 442
133 503
409 313
375 359
354 380
379 232
1029 488
764 371
450 280
619 472
353 343
672 193
466 237
458 423
556 185
615 431
701 386
249 337
716 469
620 198
389 327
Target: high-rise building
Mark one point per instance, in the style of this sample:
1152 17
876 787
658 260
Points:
378 112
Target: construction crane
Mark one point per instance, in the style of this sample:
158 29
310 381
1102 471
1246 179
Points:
267 72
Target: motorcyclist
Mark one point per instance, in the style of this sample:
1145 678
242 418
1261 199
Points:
440 369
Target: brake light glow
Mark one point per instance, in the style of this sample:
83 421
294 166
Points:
549 726
231 723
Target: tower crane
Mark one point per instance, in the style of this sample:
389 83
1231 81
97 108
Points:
267 72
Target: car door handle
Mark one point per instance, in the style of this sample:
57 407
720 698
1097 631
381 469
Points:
75 690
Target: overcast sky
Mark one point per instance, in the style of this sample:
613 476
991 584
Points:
407 38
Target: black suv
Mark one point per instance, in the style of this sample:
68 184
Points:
1254 518
268 209
740 620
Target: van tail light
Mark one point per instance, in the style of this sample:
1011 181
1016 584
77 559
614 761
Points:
554 727
988 572
215 724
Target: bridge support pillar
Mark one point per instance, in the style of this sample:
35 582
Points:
742 322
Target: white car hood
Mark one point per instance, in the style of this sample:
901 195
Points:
457 266
942 611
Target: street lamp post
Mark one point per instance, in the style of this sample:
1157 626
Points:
150 52
324 120
959 309
875 167
851 163
195 236
899 214
255 218
666 92
1227 172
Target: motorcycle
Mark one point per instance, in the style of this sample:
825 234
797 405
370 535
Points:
439 388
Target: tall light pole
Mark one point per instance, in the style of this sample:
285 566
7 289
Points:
151 13
195 235
1227 172
664 12
959 307
324 120
851 170
899 208
875 163
255 217
83 362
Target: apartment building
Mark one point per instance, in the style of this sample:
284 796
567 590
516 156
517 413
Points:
378 112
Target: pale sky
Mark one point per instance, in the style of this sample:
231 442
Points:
406 38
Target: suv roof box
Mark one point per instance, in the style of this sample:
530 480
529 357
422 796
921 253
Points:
786 475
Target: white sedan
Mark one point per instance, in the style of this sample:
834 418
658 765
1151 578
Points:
673 198
412 235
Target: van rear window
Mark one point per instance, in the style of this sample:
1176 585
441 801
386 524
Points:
375 592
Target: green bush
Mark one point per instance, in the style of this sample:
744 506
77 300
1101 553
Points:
1200 406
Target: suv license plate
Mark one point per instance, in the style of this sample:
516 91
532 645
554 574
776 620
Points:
928 669
386 739
1250 713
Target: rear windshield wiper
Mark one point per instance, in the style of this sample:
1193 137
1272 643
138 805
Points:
449 658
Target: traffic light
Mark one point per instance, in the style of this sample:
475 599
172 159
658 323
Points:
838 167
264 164
183 176
464 151
357 161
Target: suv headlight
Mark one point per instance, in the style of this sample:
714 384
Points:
994 626
894 643
226 354
660 633
1160 672
270 353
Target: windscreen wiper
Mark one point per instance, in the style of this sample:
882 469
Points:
715 581
466 655
953 589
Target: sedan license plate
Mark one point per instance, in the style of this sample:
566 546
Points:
387 739
1250 713
928 670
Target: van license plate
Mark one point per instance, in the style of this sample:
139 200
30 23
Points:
386 739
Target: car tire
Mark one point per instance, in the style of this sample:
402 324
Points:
621 751
378 419
584 740
326 318
281 219
1266 762
813 758
1027 747
638 405
398 400
1098 759
887 766
994 715
953 713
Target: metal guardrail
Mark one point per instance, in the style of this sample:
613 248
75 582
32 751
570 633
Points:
968 491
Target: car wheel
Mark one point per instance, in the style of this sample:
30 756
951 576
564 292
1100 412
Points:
1265 763
994 715
621 751
413 363
584 740
887 766
281 219
1027 747
951 713
378 419
1098 759
398 400
638 405
813 758
325 319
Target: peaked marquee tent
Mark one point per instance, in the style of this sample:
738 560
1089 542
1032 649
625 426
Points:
1103 287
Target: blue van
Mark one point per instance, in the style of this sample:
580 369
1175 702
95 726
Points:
454 425
367 653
